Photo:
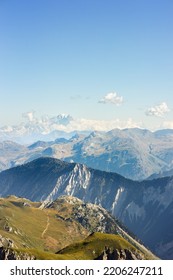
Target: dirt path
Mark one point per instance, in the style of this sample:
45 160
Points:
46 228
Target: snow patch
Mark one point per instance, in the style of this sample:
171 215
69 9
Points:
120 196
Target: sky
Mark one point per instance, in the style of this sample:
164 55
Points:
107 61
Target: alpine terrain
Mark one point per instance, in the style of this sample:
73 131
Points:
144 207
66 229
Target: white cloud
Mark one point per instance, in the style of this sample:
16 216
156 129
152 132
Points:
158 111
100 125
46 124
112 98
29 116
167 124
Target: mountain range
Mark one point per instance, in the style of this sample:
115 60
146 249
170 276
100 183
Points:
144 207
134 153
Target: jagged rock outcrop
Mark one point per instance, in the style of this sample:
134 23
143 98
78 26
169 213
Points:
122 254
6 242
92 217
7 251
10 254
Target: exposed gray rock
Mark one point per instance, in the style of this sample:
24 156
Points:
115 254
92 217
9 254
6 242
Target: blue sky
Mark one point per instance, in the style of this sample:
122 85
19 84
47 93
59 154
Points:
99 60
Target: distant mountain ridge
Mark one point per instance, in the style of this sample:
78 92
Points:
134 153
146 207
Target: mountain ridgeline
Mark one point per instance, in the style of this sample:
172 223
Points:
133 153
145 208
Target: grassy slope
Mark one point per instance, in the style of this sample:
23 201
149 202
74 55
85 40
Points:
88 249
31 227
94 245
42 232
